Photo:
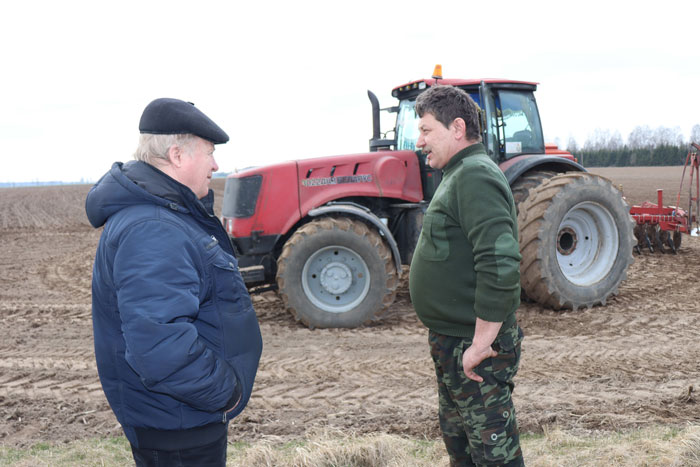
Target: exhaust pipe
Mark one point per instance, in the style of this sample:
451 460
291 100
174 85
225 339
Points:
377 142
375 119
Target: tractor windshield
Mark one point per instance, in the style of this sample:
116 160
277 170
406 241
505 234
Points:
407 126
407 123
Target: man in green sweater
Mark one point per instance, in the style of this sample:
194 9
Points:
465 283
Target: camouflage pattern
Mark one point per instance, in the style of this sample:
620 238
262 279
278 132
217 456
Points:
478 419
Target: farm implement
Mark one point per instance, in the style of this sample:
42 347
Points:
660 227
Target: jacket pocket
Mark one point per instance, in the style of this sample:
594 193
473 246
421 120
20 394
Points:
505 364
228 287
240 333
433 240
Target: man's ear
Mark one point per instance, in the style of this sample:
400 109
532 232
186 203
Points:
459 128
175 155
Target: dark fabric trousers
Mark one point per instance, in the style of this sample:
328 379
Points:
477 420
210 455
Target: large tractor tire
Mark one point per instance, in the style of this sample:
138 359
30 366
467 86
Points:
522 186
521 190
336 273
576 241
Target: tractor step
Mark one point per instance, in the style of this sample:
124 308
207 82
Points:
253 274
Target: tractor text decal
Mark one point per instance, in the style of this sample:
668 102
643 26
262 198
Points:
336 180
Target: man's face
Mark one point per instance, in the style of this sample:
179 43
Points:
198 165
436 141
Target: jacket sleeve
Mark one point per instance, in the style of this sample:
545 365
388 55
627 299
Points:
487 218
157 275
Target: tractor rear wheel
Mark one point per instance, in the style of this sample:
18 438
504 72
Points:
521 190
576 241
521 187
336 273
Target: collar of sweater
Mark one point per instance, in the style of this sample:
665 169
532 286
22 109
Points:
466 152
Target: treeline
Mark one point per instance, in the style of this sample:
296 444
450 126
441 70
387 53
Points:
626 156
644 147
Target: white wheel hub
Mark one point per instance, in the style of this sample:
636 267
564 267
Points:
336 278
587 243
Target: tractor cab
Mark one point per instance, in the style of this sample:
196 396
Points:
509 117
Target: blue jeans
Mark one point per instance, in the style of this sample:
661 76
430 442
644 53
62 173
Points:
210 455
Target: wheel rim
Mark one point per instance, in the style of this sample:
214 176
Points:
335 279
587 243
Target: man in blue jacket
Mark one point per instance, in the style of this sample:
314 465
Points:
177 341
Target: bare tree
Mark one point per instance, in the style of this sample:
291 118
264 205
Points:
596 140
664 136
695 134
604 139
641 137
614 141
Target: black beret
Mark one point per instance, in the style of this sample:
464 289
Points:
175 117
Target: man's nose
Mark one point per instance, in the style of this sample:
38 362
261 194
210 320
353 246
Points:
215 166
420 143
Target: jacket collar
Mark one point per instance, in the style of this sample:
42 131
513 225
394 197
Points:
464 153
158 183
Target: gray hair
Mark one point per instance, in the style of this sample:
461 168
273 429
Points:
153 149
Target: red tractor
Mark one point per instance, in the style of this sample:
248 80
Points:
333 232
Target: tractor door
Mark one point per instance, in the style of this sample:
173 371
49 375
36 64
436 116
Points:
489 128
513 123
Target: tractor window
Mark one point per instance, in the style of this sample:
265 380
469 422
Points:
476 98
521 123
407 123
407 126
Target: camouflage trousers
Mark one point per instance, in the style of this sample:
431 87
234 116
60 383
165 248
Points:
478 419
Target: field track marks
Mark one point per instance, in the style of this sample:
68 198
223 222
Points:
25 311
55 383
44 207
69 273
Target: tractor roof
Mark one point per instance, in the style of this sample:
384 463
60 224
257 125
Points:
424 83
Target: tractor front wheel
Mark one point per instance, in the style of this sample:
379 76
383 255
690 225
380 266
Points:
576 241
336 273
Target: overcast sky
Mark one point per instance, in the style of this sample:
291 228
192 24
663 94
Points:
289 80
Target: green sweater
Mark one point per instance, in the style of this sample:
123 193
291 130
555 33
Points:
467 261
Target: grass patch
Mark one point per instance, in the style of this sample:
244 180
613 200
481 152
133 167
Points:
659 446
91 452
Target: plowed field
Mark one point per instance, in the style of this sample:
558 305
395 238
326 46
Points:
632 363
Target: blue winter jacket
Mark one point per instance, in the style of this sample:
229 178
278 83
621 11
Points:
177 340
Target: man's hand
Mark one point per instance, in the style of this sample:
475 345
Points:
471 359
485 333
